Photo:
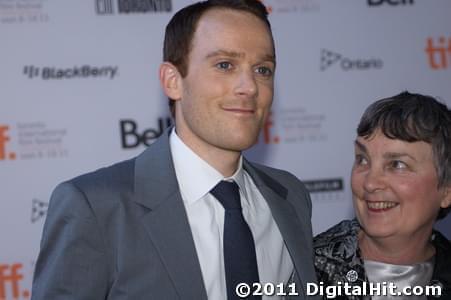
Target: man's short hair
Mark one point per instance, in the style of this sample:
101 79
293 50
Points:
181 28
411 118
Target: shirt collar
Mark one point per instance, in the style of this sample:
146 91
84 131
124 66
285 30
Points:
194 175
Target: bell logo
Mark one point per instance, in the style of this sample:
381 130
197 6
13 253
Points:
4 139
10 278
439 53
132 138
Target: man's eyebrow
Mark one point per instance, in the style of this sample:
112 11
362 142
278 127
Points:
225 53
361 146
235 54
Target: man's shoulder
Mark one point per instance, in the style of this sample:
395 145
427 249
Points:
100 190
114 176
283 177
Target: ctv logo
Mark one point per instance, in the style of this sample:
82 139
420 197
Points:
10 278
439 53
389 2
4 140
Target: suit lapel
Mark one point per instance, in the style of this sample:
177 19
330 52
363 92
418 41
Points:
166 221
291 228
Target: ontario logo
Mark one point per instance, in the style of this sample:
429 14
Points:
38 210
330 58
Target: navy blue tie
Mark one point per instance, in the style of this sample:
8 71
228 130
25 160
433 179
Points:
240 259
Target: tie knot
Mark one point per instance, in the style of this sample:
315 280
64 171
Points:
228 194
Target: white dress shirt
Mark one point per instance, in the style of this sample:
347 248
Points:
206 218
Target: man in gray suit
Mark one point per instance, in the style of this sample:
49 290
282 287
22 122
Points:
155 227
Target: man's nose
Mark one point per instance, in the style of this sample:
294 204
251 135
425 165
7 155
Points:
246 84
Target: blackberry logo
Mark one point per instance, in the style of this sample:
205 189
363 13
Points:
86 71
108 7
329 58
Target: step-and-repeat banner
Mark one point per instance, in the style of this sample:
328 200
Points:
79 91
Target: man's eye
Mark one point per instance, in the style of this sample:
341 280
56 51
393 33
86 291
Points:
265 71
224 65
360 160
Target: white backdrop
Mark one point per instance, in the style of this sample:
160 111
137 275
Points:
78 78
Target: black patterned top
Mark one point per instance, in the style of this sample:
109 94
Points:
338 260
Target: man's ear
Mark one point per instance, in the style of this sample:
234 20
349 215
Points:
446 201
170 80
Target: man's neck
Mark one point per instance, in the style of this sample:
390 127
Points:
224 161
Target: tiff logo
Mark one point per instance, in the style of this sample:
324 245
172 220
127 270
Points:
4 139
10 278
439 53
268 136
104 7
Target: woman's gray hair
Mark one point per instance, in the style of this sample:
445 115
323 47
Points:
411 118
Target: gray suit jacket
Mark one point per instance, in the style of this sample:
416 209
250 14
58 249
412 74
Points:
122 232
